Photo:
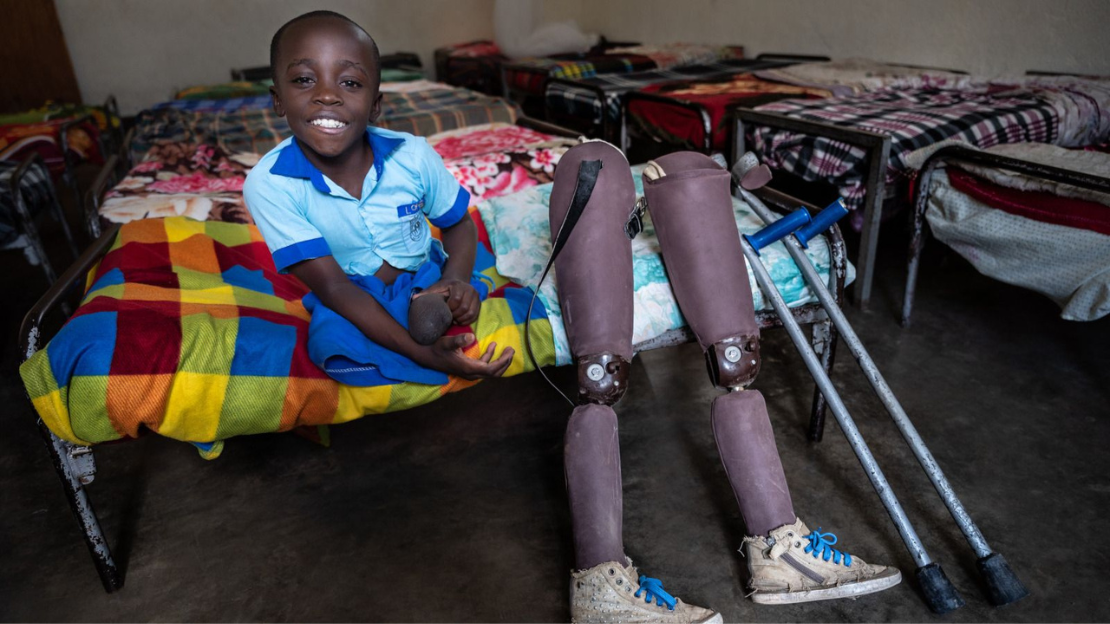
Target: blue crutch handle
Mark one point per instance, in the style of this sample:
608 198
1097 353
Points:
823 221
777 230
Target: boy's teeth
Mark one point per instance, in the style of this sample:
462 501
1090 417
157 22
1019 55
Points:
327 123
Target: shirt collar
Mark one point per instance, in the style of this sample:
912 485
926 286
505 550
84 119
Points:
292 163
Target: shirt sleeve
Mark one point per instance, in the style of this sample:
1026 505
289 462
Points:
284 226
445 200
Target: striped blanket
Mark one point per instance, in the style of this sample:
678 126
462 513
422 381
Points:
187 330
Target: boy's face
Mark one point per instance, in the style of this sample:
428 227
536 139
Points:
326 86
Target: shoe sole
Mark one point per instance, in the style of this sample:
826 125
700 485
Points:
851 590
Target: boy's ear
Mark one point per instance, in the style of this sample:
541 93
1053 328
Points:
376 109
279 110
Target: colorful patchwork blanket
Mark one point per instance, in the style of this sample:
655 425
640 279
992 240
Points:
187 330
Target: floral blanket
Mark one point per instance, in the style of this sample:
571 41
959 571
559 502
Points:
499 159
205 182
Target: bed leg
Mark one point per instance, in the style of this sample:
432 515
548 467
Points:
824 345
75 469
917 242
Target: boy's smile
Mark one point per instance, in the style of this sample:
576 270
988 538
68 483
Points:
327 88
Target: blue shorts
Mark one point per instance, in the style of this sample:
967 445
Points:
349 357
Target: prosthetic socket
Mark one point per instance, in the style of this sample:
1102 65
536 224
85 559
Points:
689 197
594 268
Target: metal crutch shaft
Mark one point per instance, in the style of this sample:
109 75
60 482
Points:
1002 584
940 595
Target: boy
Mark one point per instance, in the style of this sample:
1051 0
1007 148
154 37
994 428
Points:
342 206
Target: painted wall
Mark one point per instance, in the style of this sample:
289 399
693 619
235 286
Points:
991 37
142 51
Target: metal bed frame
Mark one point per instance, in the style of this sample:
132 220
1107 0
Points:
878 155
76 466
960 154
25 221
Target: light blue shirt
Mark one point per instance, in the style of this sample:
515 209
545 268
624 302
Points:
304 215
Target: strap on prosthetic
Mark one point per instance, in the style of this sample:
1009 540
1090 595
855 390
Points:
588 171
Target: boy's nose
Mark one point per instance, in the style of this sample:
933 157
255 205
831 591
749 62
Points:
327 96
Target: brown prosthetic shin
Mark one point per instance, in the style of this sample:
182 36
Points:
594 268
689 198
747 447
592 464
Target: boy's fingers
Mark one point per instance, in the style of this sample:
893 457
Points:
431 291
463 341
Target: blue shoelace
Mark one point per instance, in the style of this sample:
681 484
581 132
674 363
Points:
821 545
652 589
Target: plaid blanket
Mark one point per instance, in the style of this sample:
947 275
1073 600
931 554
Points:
37 191
582 101
187 330
475 65
260 130
912 118
232 104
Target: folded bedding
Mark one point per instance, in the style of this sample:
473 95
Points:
1069 113
1042 235
224 90
187 330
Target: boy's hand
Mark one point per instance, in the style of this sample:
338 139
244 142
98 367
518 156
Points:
446 355
461 298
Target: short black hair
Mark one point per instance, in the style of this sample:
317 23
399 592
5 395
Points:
275 43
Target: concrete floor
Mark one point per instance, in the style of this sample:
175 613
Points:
456 511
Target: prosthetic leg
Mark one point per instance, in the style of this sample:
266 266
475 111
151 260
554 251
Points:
592 198
689 198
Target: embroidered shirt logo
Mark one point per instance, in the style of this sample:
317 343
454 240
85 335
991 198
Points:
409 209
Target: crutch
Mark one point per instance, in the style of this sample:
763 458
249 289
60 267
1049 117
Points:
1003 586
940 594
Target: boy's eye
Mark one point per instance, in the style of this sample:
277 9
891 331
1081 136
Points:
302 80
354 84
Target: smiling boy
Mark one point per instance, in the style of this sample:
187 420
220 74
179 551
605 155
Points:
343 207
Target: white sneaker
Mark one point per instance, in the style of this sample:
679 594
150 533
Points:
795 564
611 592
